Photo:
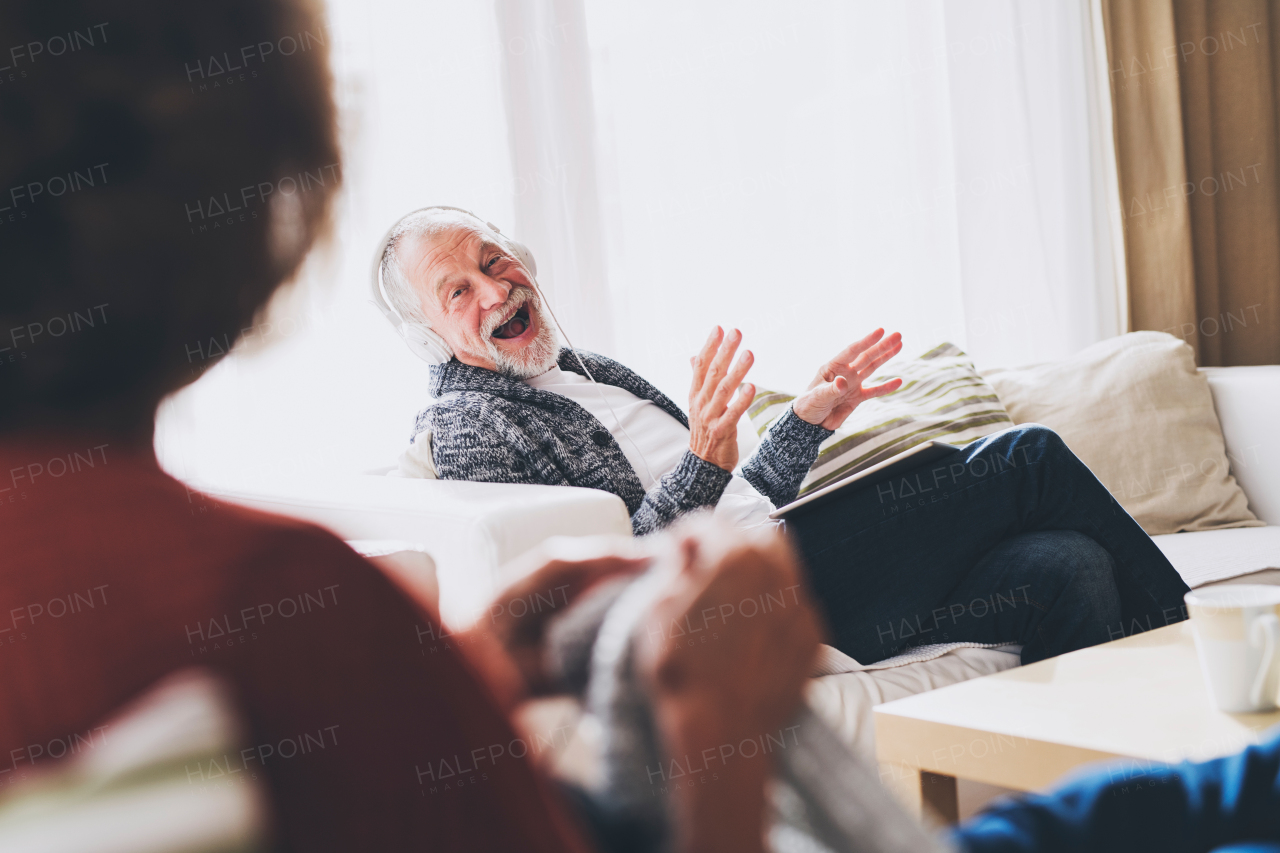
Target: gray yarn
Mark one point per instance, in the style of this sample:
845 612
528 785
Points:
822 798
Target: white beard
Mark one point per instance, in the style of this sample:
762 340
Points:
536 357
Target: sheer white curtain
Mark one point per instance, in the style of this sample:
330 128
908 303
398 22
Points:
808 171
1037 262
547 81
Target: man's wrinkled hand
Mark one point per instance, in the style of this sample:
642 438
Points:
838 388
713 409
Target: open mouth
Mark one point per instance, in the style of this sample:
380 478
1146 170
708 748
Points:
516 326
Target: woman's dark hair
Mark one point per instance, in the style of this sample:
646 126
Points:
164 167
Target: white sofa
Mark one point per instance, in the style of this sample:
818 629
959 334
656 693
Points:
472 529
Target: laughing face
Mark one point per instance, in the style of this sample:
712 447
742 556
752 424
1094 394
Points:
481 300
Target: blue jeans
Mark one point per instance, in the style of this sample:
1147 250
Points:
1011 539
1229 804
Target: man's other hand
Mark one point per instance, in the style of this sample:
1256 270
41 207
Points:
713 409
837 389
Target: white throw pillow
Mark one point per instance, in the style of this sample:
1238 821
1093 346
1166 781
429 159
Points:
1137 412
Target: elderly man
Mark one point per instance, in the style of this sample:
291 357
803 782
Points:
1026 547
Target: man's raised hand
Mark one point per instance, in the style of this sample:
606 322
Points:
837 389
713 408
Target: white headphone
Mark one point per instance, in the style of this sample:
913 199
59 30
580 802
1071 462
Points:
422 341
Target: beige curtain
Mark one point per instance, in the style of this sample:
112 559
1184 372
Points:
1195 87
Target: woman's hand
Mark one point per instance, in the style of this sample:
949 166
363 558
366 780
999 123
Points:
713 408
506 640
837 390
723 672
746 664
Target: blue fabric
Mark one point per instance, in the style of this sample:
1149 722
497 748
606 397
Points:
1009 539
1230 804
491 428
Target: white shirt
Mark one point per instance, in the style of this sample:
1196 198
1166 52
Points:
651 439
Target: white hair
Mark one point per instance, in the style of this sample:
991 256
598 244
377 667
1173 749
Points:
417 226
541 353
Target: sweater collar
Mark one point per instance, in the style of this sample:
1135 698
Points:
453 375
456 376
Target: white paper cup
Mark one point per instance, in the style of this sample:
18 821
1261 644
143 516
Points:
1237 631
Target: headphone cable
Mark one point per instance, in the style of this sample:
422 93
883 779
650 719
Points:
617 420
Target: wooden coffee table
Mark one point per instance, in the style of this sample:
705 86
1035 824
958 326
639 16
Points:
1141 697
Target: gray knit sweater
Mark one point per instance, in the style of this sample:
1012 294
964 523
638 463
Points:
491 428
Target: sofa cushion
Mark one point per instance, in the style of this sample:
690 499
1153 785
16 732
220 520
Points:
1137 412
844 700
942 398
1247 400
1214 555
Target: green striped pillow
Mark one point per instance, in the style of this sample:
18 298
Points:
942 398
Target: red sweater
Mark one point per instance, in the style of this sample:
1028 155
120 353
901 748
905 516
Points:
113 575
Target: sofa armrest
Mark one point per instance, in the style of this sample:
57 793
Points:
469 529
1247 400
